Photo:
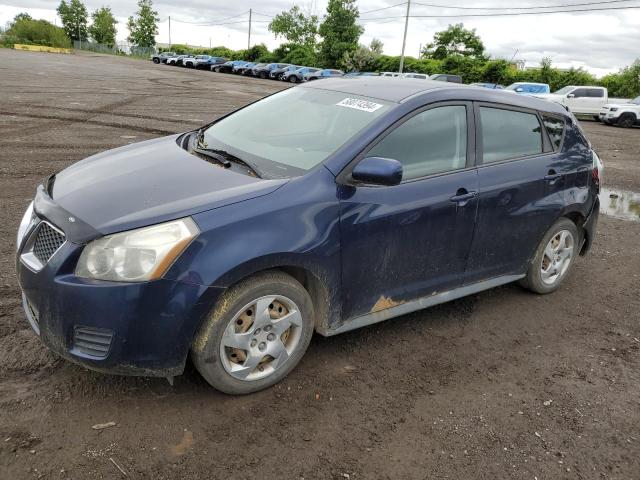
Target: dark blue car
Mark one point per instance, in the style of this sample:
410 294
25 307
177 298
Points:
232 244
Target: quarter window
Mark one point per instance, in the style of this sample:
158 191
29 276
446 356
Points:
509 134
555 129
433 141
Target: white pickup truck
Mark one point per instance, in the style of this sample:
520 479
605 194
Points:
580 100
622 114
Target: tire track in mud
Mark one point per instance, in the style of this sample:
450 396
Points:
62 121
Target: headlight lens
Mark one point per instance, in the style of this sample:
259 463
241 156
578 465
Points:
137 255
28 219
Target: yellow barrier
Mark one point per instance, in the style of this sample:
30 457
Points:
41 48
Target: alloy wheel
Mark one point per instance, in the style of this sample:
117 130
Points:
557 257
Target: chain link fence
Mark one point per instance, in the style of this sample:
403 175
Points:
121 48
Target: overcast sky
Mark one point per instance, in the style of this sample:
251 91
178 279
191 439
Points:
601 41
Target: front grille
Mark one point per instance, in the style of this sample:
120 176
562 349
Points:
94 342
47 242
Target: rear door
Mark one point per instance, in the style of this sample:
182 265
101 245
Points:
407 241
520 182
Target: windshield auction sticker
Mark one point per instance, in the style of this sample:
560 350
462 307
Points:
358 104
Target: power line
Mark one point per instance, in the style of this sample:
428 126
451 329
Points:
511 14
523 8
387 8
271 16
217 22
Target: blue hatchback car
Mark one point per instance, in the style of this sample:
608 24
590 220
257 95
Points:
232 244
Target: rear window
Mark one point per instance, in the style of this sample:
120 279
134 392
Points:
555 129
508 134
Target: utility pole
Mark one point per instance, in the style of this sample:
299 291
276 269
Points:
249 39
404 39
169 32
78 27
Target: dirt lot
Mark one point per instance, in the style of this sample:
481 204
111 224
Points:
505 384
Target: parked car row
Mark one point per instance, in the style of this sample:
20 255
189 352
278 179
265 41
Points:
580 100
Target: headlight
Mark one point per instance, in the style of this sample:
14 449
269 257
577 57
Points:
28 219
614 109
137 255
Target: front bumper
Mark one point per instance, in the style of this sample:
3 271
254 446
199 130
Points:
141 328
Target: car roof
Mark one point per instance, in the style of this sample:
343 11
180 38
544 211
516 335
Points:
401 89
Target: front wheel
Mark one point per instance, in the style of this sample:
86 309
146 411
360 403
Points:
293 79
627 120
156 60
256 334
553 258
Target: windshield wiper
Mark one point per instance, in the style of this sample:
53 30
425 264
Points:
221 156
214 155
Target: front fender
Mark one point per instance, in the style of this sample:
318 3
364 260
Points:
297 227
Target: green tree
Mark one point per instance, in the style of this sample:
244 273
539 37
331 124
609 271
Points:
339 31
103 28
625 83
24 29
376 46
362 58
455 40
74 16
295 26
144 28
256 52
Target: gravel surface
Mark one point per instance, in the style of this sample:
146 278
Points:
504 384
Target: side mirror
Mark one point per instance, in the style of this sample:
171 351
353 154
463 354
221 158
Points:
519 89
378 171
570 95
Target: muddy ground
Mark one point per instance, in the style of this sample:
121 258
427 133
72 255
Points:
504 384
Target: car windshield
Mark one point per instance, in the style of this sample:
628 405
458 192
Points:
636 101
564 90
318 122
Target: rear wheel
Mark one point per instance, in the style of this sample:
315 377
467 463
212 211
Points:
263 75
293 79
553 258
627 120
256 334
156 60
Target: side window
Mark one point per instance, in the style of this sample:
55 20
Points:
509 134
580 92
433 141
555 129
595 93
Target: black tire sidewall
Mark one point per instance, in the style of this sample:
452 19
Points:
626 117
533 280
206 351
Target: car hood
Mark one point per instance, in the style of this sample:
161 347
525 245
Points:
147 183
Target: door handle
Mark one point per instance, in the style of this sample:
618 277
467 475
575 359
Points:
552 176
462 197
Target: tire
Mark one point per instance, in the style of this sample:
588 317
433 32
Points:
156 60
626 120
232 322
540 277
293 79
596 118
263 75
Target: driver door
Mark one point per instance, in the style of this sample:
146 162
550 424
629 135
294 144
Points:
404 242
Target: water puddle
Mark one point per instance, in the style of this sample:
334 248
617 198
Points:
621 204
